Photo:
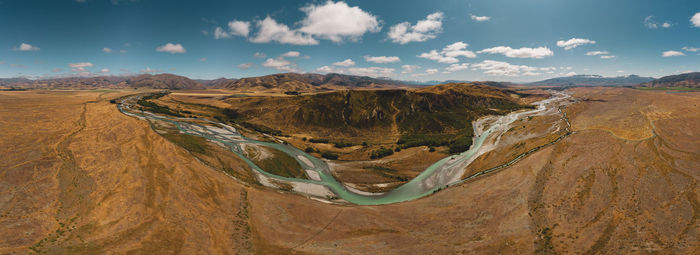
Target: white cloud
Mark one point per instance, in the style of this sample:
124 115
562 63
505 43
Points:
80 67
280 64
449 54
423 30
596 53
431 71
291 54
269 30
608 57
649 22
691 49
573 43
539 52
220 33
325 69
371 71
259 55
620 71
26 47
149 70
672 53
480 18
245 66
239 28
409 68
499 68
104 70
570 74
346 63
457 67
107 50
382 59
666 25
172 48
696 19
203 60
337 21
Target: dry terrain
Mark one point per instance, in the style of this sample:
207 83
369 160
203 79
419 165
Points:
78 177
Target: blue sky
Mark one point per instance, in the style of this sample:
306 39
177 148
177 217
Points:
502 40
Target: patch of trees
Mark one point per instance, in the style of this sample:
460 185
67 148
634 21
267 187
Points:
156 108
329 155
342 144
318 140
381 152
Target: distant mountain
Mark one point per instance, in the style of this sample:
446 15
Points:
307 82
215 82
593 80
686 80
10 81
158 81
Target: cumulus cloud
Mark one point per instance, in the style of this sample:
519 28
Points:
570 74
431 71
291 54
269 30
409 68
573 43
596 53
281 64
457 67
26 47
449 54
382 59
695 20
104 70
691 49
608 57
499 68
245 66
172 48
539 52
346 63
106 50
649 22
220 33
325 69
371 71
337 21
480 18
423 30
672 53
259 55
239 28
79 67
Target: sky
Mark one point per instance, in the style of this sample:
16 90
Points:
501 40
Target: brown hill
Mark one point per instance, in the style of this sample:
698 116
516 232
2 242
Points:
158 81
307 82
686 80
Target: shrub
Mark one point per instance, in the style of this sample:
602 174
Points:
329 155
381 152
309 150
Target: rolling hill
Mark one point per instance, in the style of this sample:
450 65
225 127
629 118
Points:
592 80
686 80
307 82
158 81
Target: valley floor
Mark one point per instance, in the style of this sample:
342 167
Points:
79 177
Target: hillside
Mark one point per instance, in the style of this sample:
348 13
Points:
307 82
593 80
686 80
158 81
439 115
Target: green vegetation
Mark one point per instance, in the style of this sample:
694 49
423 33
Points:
329 155
280 164
318 140
381 152
309 150
342 144
156 108
191 143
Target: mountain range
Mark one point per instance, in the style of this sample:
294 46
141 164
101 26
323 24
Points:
592 80
686 80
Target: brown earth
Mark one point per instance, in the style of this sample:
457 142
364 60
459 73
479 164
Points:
625 182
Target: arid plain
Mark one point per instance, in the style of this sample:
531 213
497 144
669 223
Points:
625 181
